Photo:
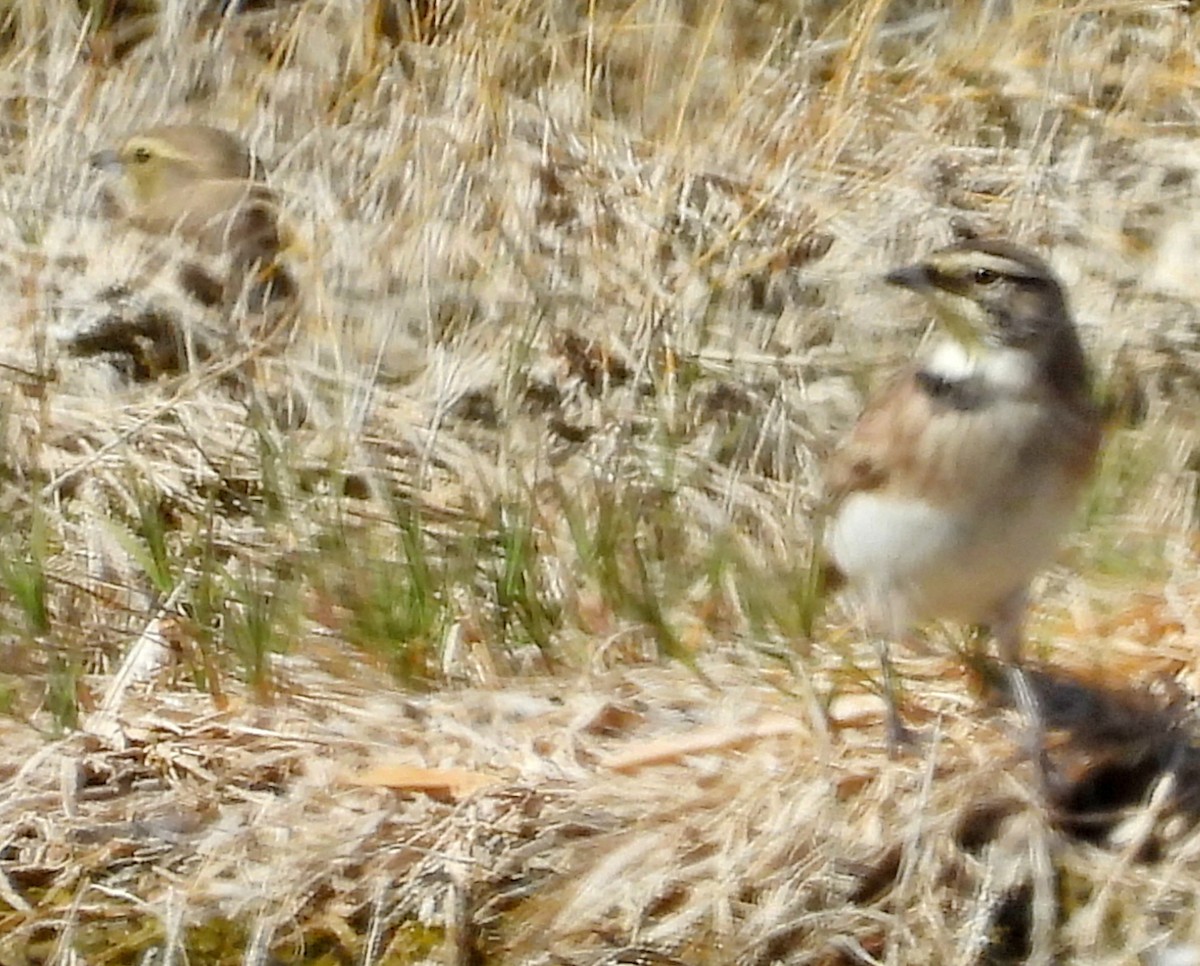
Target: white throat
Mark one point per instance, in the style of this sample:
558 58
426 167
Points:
1002 369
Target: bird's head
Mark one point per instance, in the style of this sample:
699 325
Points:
990 293
155 161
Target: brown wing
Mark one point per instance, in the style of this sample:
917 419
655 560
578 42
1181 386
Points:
880 441
1082 433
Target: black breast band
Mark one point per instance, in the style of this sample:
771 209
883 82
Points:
961 394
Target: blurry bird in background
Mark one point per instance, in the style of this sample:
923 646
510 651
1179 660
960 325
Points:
203 185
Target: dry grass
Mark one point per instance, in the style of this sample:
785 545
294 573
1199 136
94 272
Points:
470 617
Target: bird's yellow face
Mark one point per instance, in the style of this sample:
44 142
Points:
150 166
203 186
168 157
987 294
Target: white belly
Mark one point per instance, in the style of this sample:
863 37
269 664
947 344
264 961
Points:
912 561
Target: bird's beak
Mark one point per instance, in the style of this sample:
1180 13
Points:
914 277
107 160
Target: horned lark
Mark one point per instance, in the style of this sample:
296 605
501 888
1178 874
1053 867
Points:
958 480
204 185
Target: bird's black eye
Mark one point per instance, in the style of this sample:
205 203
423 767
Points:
984 276
141 155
